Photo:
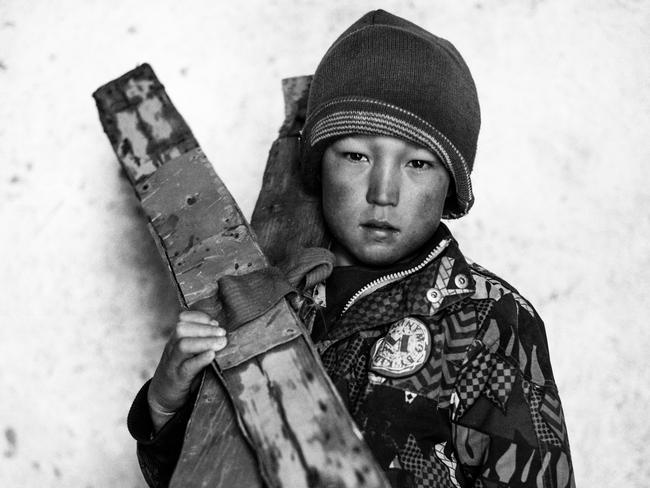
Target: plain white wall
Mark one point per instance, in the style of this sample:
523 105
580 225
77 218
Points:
561 182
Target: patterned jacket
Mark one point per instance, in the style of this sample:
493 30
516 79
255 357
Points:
445 368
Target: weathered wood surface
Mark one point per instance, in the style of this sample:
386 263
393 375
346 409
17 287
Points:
286 406
215 453
146 132
142 124
286 217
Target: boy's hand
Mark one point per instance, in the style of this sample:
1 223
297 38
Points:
190 348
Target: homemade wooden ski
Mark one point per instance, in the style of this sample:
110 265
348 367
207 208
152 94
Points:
286 218
270 391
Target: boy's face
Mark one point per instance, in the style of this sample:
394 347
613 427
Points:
382 198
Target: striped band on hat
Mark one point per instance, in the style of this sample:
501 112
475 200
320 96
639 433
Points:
355 115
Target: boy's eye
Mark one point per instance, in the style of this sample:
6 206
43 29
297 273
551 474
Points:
420 164
356 157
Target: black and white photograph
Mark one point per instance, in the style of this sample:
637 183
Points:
309 244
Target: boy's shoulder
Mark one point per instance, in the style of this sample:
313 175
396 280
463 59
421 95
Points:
507 324
456 272
489 286
491 313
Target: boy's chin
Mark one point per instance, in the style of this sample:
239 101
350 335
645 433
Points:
383 260
378 256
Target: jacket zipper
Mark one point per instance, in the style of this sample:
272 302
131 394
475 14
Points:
390 278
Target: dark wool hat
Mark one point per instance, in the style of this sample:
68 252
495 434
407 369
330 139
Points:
386 76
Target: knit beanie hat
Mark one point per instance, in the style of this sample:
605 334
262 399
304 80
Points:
386 76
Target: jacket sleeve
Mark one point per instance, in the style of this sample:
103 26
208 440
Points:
157 454
507 421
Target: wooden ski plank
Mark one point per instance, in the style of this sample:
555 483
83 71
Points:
142 124
215 454
147 132
316 451
286 217
204 233
326 456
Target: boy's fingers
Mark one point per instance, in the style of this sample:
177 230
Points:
193 329
194 365
196 316
197 345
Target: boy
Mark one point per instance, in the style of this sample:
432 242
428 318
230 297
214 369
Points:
443 365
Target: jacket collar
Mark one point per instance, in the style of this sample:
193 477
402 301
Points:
431 288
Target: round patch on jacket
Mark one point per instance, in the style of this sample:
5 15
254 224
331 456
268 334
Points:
402 351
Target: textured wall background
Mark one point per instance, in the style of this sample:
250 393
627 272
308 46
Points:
561 180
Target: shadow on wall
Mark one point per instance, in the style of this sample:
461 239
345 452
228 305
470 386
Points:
159 298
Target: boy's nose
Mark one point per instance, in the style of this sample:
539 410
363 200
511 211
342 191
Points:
383 185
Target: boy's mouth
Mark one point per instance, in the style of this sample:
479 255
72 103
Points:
379 225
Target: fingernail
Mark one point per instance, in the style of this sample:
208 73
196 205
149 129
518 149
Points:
214 322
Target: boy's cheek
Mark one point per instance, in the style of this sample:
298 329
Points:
339 199
433 206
